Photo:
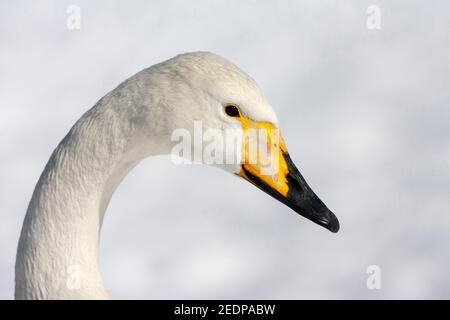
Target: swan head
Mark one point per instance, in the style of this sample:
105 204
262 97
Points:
217 114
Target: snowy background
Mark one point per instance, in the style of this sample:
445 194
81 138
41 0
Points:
365 114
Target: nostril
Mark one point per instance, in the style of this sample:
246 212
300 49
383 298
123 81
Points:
294 183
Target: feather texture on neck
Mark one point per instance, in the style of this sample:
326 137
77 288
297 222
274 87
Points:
60 234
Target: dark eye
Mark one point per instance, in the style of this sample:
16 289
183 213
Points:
232 110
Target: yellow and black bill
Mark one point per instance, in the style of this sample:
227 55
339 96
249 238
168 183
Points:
284 183
299 196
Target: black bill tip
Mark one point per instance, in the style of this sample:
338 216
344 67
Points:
305 202
333 224
302 199
328 220
299 198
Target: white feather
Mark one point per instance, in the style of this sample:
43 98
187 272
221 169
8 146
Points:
63 221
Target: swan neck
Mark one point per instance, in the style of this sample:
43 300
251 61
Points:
58 248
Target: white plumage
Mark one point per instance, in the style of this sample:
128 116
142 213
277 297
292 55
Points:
63 221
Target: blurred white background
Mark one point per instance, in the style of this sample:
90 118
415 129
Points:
365 114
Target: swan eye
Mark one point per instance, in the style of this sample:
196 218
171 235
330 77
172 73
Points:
232 110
